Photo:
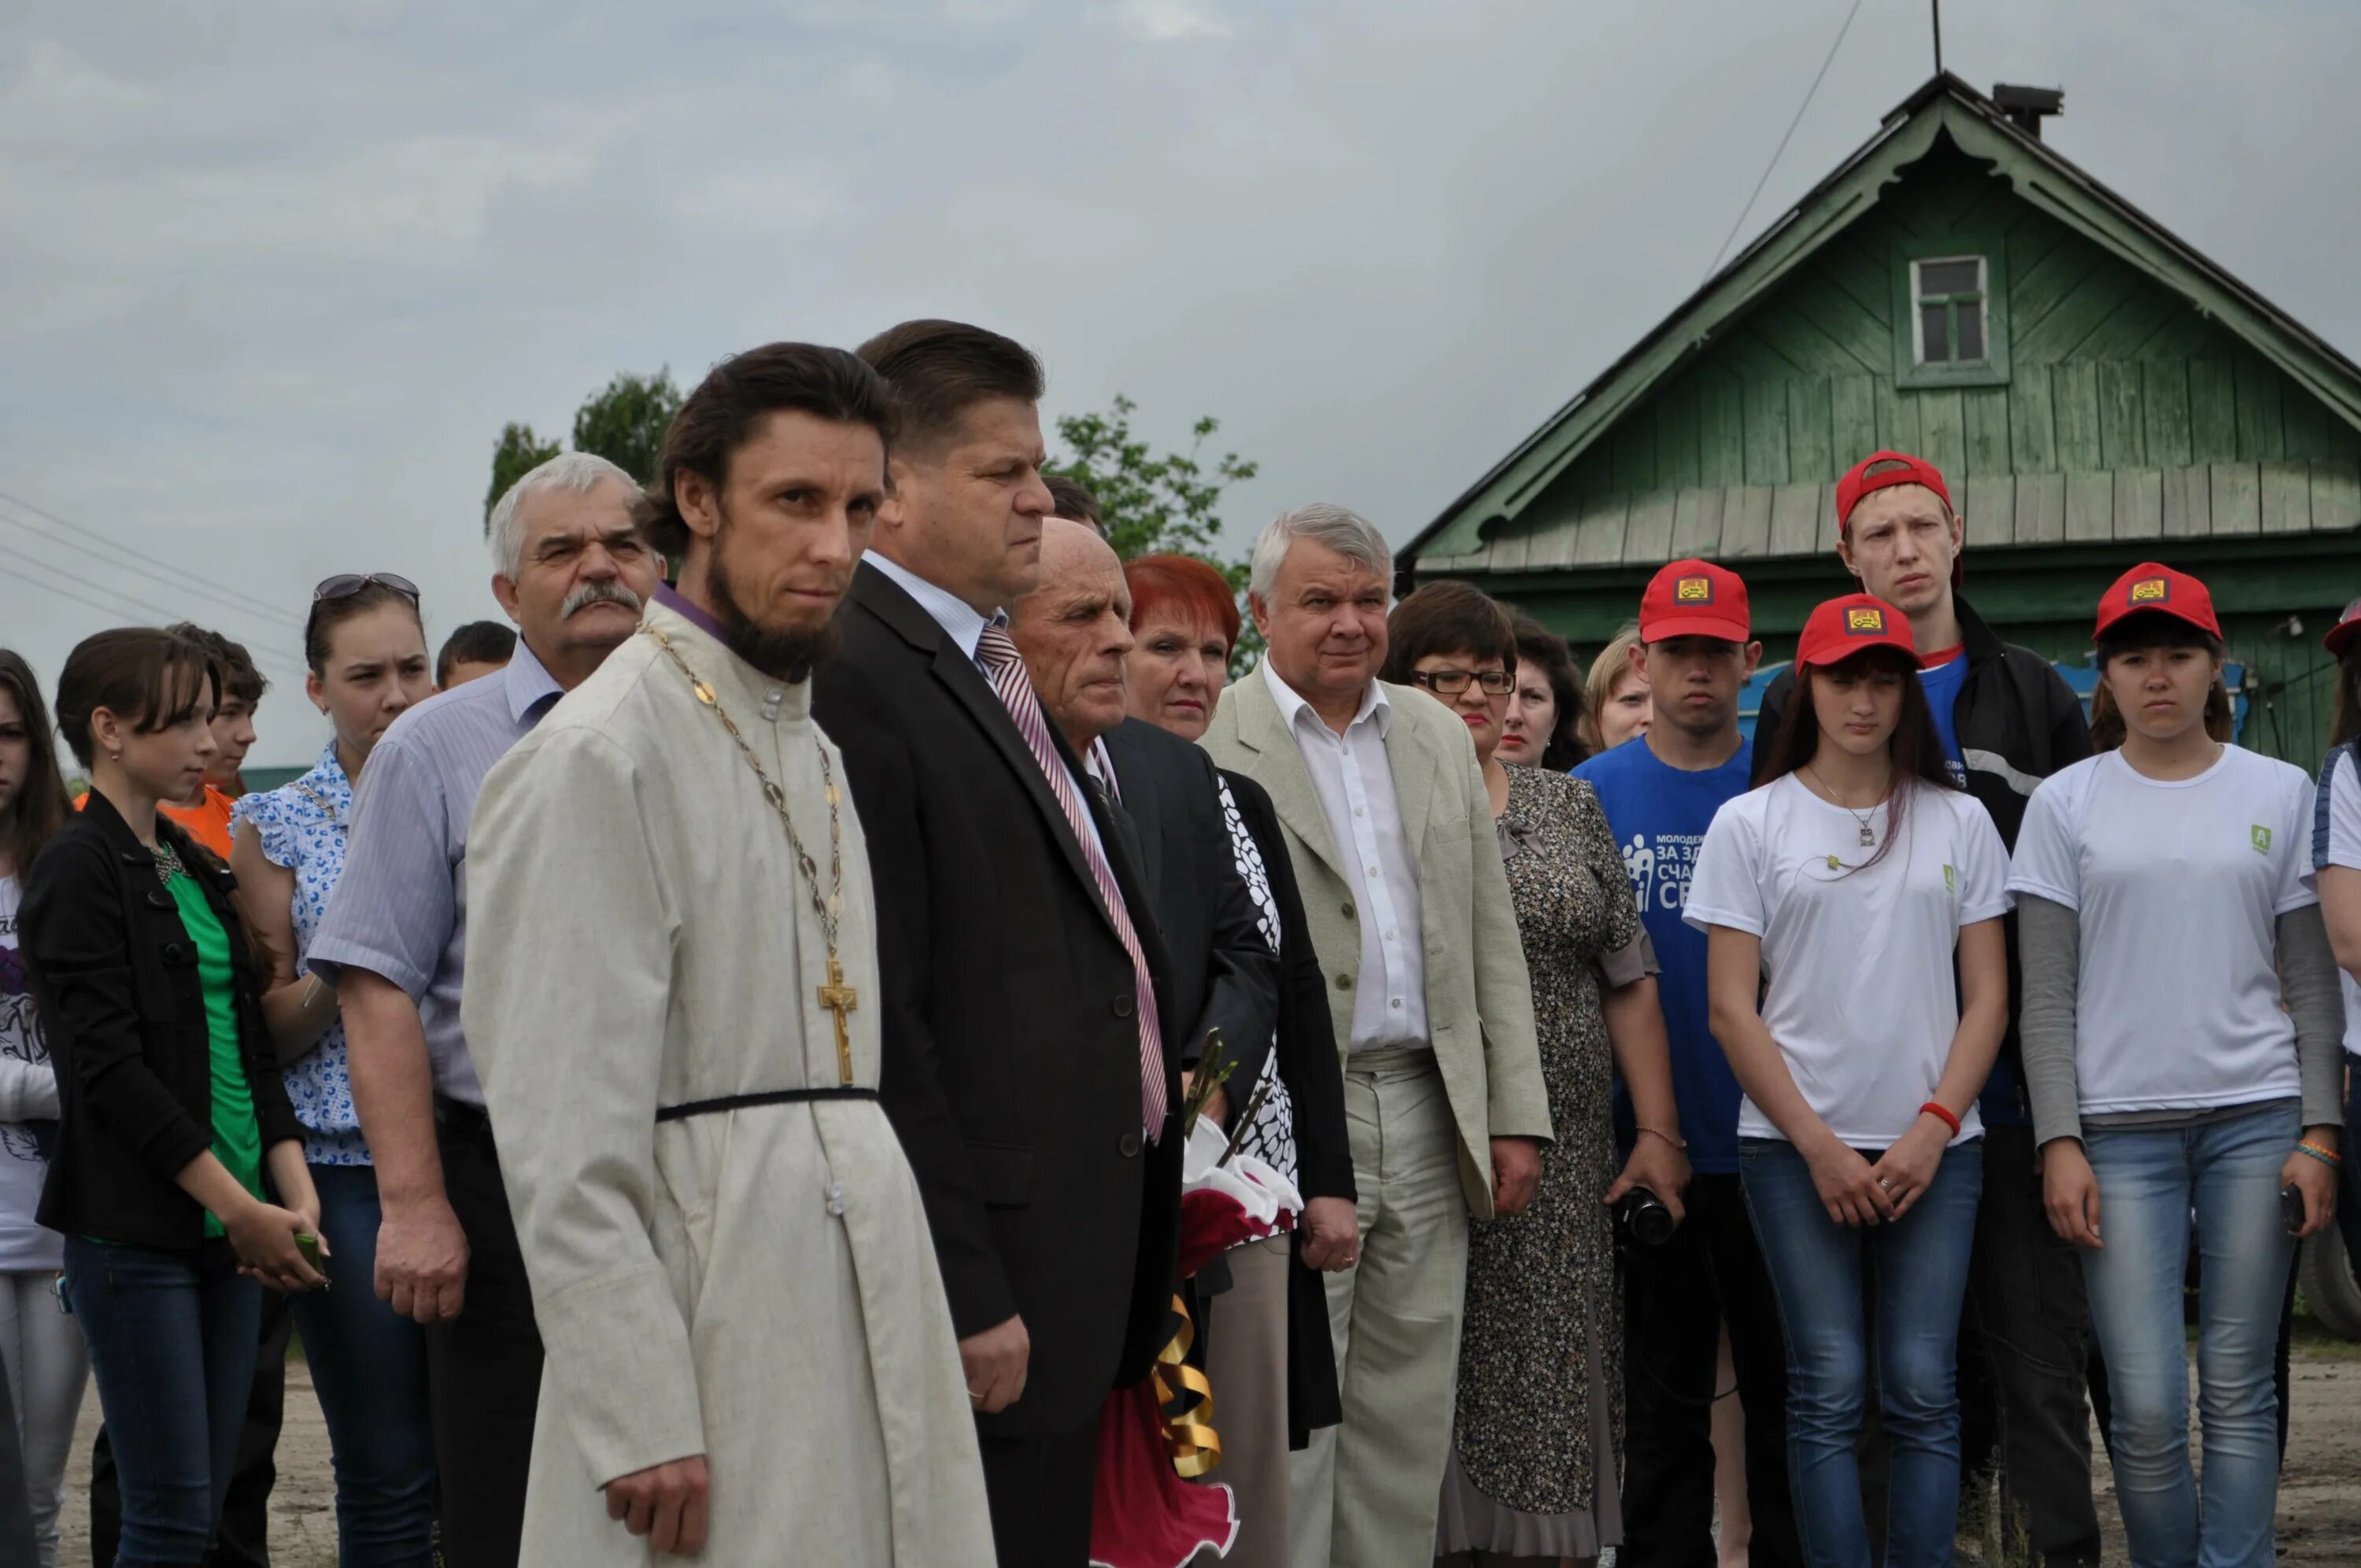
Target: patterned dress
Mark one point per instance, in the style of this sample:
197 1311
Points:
303 826
1272 1135
1540 1416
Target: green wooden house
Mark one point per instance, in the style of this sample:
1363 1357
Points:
2095 390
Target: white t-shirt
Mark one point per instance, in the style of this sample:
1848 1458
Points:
2178 885
28 1087
2337 841
1860 987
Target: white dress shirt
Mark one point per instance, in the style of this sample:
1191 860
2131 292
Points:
1355 781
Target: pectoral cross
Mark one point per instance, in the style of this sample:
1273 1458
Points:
841 999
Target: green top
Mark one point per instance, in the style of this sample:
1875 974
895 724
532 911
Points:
237 1134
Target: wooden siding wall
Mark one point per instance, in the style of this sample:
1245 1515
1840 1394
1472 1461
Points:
2109 371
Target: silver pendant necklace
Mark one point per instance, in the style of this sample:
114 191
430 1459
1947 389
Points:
1868 834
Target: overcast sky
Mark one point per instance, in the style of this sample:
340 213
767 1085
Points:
273 273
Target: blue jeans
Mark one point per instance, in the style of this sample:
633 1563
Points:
2148 1181
2348 1197
369 1367
1916 1269
171 1338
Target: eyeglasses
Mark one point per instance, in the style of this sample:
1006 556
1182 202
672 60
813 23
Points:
1451 683
345 585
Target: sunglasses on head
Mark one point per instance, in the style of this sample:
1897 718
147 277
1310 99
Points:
345 585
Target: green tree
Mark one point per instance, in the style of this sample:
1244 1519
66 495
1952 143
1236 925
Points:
624 422
1153 503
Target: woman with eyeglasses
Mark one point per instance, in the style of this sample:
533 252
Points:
177 1179
1539 1414
365 647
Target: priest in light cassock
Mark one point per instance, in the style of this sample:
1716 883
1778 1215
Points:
672 997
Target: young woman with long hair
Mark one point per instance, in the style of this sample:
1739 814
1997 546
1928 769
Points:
367 650
1615 704
177 1178
2182 1028
1859 981
41 1348
2336 857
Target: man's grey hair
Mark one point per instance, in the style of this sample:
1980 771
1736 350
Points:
576 472
1346 531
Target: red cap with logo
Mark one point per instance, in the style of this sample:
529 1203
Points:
1853 624
2154 586
1694 598
2347 627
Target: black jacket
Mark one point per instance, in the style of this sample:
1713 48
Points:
1224 975
1011 1065
1309 1066
115 975
2017 721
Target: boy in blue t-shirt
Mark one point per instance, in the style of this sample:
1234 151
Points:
1660 791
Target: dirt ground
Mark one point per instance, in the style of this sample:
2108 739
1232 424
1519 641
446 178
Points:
2320 1493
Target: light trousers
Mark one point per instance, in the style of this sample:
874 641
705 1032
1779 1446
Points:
49 1367
1365 1493
1245 1362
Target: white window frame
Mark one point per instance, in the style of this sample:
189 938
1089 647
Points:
1919 300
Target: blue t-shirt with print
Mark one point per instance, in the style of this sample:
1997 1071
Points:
1659 814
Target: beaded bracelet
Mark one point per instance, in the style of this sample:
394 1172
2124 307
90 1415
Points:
2325 1157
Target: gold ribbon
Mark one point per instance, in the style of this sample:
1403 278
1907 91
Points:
1185 1401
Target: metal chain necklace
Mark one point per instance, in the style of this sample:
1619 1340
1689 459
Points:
1868 834
836 997
168 862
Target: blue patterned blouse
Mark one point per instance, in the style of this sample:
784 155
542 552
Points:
302 825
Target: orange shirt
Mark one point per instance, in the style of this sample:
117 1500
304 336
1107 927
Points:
207 823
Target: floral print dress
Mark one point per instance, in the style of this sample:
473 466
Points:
303 827
1540 1414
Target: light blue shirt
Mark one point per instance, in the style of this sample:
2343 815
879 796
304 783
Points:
400 908
302 828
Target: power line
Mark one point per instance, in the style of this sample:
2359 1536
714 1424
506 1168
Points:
164 579
178 578
1808 95
260 653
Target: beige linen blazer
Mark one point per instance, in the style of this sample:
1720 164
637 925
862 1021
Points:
1479 1005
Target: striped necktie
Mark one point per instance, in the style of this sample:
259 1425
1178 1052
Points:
1002 665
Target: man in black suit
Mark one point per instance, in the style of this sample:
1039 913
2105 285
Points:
1028 1038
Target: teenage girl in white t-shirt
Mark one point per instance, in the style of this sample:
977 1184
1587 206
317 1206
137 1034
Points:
2181 1029
1840 893
46 1363
2336 858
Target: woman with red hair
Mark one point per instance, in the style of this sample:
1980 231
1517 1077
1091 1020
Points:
1270 1360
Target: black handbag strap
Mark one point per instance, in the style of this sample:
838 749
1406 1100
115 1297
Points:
748 1102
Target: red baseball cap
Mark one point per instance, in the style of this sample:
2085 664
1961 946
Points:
2151 586
1694 598
1842 628
1881 469
2347 627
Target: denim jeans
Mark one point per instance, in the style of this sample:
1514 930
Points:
2348 1197
2150 1180
171 1338
1917 1270
368 1365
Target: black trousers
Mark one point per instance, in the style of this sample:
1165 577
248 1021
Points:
244 1541
1039 1491
2027 1341
1675 1297
483 1367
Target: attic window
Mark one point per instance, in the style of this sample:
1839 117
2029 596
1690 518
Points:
1948 299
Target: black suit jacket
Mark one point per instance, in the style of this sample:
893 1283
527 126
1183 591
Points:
1225 974
1011 1064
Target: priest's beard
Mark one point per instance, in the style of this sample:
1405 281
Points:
788 656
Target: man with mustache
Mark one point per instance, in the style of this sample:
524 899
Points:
678 1033
572 569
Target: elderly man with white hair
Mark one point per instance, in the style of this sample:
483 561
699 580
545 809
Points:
1391 834
572 570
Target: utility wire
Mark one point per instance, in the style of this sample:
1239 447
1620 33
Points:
261 653
1808 94
177 578
280 619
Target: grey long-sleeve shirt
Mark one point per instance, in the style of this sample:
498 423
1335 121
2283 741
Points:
2048 938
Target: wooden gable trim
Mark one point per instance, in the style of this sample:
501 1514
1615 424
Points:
2034 172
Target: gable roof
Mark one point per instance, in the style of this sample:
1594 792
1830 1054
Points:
2036 172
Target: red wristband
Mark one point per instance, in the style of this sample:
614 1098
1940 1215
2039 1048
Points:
1940 1114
